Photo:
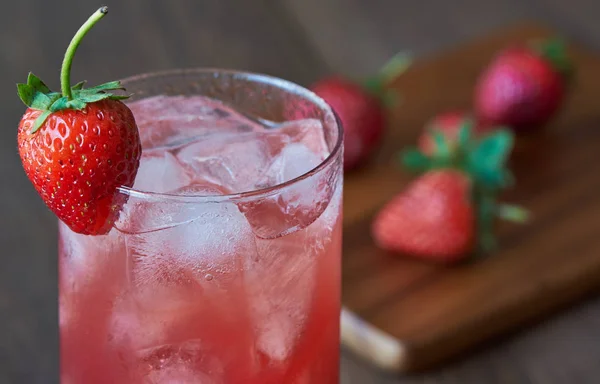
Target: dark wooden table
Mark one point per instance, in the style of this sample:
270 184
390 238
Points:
296 39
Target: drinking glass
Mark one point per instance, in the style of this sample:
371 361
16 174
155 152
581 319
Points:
206 287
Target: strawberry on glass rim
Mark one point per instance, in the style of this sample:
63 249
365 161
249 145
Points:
79 145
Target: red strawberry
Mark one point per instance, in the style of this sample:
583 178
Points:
522 87
361 109
78 147
452 207
362 116
449 124
433 218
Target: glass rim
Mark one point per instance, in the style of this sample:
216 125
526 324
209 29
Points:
287 86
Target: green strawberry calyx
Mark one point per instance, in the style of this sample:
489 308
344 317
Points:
37 95
555 52
484 159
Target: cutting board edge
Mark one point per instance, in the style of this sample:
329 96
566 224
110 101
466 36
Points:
390 354
371 343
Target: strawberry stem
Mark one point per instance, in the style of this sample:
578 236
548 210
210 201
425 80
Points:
399 63
512 213
65 74
485 207
377 84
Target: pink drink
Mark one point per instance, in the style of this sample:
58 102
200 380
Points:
201 283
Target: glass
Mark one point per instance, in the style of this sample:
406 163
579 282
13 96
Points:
200 288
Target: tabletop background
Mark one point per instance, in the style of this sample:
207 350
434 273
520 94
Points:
299 40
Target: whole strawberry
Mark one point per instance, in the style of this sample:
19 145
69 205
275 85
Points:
449 212
362 116
523 87
361 109
433 218
78 146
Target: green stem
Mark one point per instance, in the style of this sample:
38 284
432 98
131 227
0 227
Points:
395 66
65 73
484 201
512 213
376 85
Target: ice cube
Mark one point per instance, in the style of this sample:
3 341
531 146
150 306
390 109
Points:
207 243
184 363
332 214
293 161
183 262
197 240
308 132
297 205
142 214
235 161
239 161
280 284
161 172
172 121
283 279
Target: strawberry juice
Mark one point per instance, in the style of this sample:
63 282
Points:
224 264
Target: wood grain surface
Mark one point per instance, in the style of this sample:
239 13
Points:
433 312
428 313
296 39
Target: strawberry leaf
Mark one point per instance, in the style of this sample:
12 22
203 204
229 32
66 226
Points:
495 148
487 161
26 93
110 86
416 160
492 178
61 103
37 84
40 121
65 103
78 86
119 97
93 97
441 144
40 101
374 86
463 138
554 50
35 99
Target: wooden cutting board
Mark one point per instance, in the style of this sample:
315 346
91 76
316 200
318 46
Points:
403 314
